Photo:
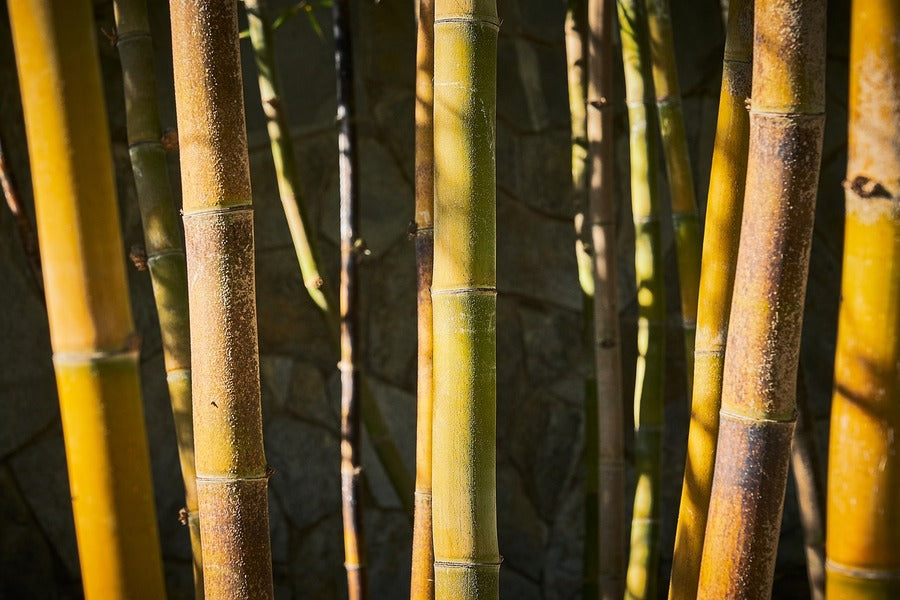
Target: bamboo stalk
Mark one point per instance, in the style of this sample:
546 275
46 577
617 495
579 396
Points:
602 218
422 578
760 374
641 577
91 329
863 530
809 478
678 169
162 240
26 233
351 247
232 475
464 296
720 248
262 37
577 59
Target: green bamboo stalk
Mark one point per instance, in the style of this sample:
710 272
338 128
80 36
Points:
678 169
602 220
95 352
724 207
162 241
262 37
232 474
464 296
760 375
422 577
863 528
641 577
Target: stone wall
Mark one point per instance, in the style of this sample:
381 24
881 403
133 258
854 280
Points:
540 354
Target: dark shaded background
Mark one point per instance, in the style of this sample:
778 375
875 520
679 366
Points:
540 355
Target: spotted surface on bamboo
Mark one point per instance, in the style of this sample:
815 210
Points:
760 374
641 576
232 475
863 529
464 297
95 349
720 248
422 577
162 242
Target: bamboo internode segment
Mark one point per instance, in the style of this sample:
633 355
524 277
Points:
720 248
602 221
232 475
678 169
641 576
467 557
162 240
760 374
91 327
863 531
422 578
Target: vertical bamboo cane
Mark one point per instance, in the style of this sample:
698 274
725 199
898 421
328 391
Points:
262 37
678 169
863 530
422 579
720 247
577 59
602 219
467 557
91 329
351 246
641 577
760 375
232 475
162 239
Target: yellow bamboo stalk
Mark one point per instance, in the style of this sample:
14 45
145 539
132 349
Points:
610 508
760 374
464 296
91 328
422 579
720 247
162 239
232 476
678 169
863 529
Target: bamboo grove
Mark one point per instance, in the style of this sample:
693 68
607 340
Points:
504 462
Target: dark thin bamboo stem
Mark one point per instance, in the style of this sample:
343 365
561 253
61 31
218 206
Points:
26 233
602 221
262 36
422 578
760 375
162 240
351 247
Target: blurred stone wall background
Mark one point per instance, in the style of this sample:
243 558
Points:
540 355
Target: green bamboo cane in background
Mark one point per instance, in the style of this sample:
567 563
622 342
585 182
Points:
162 241
464 296
262 37
602 222
720 246
641 577
678 169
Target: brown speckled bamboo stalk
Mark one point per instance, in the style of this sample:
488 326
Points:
232 475
760 376
422 579
863 529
